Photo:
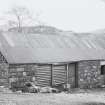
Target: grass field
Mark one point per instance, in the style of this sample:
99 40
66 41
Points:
76 98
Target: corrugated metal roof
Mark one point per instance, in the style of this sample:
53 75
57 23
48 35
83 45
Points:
36 48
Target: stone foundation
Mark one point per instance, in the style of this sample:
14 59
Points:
89 74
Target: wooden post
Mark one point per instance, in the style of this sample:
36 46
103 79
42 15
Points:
76 75
51 75
68 84
67 68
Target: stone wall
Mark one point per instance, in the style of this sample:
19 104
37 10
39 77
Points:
3 71
89 74
21 73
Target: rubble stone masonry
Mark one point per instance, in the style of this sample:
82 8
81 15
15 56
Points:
89 74
3 71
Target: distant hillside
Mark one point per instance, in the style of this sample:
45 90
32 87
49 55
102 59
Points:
37 29
54 31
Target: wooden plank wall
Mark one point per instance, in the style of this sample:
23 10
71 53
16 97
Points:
59 74
43 75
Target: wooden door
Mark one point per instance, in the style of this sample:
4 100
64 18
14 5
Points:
72 75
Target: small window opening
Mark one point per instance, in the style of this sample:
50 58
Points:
103 70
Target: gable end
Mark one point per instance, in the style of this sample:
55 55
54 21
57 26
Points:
2 58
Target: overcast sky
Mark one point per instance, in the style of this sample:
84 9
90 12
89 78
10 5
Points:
76 15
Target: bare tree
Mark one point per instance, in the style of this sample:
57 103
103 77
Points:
19 17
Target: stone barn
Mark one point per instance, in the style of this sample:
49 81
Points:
51 60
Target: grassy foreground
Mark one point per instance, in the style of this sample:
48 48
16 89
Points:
76 98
